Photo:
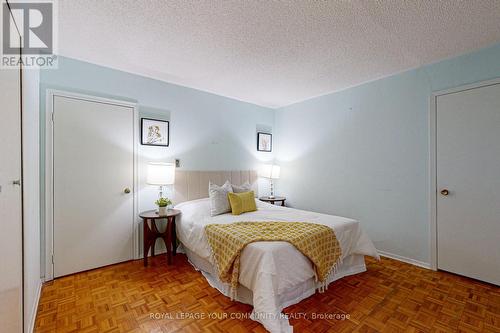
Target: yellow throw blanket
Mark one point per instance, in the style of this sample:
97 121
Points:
317 242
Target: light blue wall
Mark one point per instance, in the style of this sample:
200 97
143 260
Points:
364 152
207 131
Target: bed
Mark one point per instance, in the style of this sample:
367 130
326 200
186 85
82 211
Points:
273 275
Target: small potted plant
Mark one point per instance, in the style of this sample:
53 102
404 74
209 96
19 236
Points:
162 204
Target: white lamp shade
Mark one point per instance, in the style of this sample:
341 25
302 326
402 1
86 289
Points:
270 171
161 173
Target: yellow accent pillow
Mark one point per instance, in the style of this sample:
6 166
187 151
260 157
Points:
242 202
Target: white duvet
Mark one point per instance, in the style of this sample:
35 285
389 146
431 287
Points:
269 268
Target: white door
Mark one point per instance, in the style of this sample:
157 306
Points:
11 288
468 167
93 166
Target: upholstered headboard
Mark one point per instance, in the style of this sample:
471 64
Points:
192 185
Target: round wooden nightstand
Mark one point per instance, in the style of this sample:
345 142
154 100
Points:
151 233
273 200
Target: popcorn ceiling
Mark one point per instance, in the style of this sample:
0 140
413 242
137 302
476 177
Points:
273 53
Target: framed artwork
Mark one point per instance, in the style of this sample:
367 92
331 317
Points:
154 132
264 141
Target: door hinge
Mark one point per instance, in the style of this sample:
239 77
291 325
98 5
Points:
52 116
52 259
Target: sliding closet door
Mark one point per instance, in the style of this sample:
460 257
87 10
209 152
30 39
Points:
11 286
93 179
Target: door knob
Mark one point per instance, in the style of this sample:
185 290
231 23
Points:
445 192
126 190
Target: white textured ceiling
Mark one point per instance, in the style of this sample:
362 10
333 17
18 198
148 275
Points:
273 53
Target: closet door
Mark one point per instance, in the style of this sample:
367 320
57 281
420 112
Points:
11 286
93 179
468 183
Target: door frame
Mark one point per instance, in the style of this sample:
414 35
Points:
433 159
49 171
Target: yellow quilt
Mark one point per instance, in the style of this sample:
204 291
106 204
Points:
317 242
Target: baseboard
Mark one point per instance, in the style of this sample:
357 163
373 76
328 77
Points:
405 259
34 309
162 251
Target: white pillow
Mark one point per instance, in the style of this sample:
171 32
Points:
219 203
242 188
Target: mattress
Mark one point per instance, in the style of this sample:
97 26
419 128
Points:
273 275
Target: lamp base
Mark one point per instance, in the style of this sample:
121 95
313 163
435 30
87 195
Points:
271 195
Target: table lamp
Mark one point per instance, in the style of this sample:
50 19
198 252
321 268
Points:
161 174
270 171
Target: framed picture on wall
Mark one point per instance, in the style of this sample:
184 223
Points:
155 132
264 141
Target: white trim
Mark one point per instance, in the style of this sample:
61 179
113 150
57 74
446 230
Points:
49 177
135 224
433 160
405 259
157 253
49 134
465 87
34 309
433 183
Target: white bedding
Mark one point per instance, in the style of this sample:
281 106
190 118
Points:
269 269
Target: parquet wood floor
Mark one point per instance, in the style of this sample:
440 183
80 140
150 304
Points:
390 297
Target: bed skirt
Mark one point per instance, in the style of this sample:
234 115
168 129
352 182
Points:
353 264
